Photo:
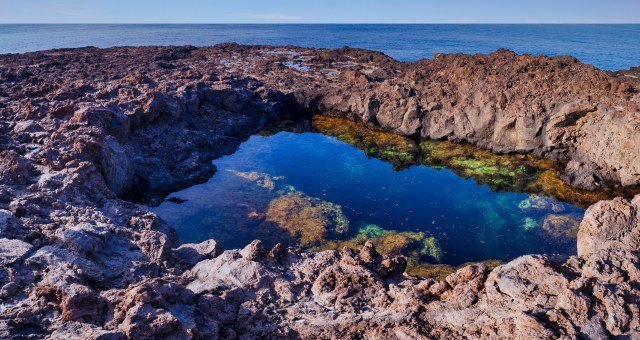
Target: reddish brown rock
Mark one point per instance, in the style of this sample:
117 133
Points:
14 169
610 225
191 254
80 142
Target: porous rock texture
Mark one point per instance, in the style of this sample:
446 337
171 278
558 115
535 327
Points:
84 133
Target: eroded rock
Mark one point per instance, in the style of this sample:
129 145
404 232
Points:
191 254
610 225
80 262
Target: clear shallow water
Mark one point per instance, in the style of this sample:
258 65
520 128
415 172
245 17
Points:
610 47
467 221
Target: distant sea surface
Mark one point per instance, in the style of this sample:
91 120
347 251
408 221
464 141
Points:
610 47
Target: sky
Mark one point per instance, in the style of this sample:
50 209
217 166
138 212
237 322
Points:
324 11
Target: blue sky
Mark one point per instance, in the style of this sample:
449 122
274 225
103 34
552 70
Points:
325 11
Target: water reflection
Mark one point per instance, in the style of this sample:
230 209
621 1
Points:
441 204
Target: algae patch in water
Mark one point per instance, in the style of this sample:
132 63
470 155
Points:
414 198
500 172
415 245
562 228
308 219
393 148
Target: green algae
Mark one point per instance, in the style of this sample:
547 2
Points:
500 172
540 203
369 231
493 219
530 224
414 245
525 204
431 249
549 182
396 149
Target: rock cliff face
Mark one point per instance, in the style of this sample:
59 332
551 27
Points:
86 132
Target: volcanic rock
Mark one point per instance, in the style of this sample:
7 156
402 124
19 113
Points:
82 144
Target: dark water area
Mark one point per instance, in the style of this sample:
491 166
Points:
321 192
609 47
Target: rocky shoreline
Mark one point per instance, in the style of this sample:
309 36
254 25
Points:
87 133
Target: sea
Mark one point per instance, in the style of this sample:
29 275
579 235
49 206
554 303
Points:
608 47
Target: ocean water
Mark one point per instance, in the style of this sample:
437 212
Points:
275 181
609 47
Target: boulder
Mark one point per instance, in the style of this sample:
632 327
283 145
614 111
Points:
192 253
610 225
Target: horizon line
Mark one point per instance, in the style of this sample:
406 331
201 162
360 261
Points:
319 23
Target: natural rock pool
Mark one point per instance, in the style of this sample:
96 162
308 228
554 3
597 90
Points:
342 184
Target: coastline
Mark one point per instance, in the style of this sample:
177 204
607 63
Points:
606 46
83 127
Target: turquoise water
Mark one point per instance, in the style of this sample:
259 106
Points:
610 47
469 221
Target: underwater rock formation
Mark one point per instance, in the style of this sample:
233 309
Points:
413 245
243 206
540 203
561 227
85 133
262 180
393 148
308 219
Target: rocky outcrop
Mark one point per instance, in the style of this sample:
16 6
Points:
596 232
85 133
293 294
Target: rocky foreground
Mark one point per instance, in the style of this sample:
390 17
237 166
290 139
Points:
87 133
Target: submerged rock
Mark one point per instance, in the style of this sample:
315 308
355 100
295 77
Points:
308 219
530 224
540 203
262 180
396 149
414 245
564 228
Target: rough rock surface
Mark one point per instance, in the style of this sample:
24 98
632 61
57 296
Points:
85 132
